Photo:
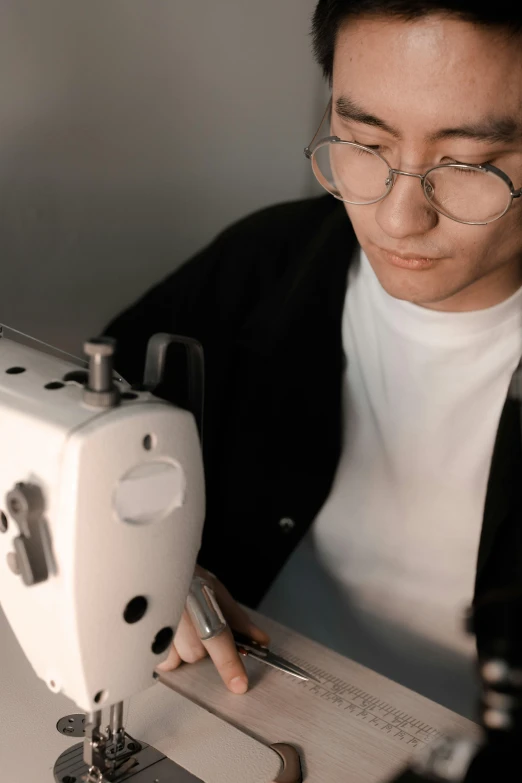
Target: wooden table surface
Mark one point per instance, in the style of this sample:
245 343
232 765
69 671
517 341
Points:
355 727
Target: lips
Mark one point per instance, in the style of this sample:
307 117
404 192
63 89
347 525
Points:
410 256
408 260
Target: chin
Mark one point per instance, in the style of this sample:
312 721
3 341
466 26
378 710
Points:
407 293
427 287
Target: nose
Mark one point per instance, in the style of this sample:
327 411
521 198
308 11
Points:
405 211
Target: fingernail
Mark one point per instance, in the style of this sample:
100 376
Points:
238 685
163 667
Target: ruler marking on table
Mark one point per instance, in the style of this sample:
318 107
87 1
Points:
364 706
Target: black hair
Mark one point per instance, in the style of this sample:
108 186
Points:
329 15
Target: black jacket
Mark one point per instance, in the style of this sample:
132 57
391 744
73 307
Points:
265 299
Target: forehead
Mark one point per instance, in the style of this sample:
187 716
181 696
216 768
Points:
430 72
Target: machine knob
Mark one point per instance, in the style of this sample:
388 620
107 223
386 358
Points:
100 392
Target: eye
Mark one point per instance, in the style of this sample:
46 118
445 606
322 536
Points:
363 151
467 163
375 147
467 172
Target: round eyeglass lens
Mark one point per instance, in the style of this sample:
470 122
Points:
472 195
350 172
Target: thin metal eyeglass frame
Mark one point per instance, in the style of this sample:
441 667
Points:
316 143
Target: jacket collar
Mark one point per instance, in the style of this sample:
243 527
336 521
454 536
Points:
505 480
310 294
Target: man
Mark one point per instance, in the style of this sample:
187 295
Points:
359 351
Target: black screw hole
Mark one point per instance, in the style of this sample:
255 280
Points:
132 746
71 720
147 442
4 524
68 730
15 370
100 697
129 396
68 779
162 641
135 609
54 385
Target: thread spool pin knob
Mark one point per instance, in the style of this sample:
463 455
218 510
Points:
100 390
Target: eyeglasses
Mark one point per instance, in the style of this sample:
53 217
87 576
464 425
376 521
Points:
355 174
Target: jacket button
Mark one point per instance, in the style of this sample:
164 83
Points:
286 524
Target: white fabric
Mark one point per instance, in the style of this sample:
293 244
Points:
395 545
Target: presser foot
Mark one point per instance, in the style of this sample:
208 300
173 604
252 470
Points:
113 758
137 762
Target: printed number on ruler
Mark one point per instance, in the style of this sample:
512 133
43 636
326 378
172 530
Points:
383 716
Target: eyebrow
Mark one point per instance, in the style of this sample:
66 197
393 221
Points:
348 109
491 130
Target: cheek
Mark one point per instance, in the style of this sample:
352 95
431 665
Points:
499 243
479 247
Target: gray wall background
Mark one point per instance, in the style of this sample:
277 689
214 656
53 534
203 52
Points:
131 132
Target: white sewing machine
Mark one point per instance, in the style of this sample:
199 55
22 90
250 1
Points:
101 515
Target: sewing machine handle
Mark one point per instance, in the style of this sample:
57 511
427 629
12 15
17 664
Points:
155 361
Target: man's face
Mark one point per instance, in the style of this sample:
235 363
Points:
418 78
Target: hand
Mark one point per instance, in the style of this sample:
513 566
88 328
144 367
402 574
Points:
188 647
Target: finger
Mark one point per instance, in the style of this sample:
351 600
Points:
171 662
226 659
236 616
187 642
